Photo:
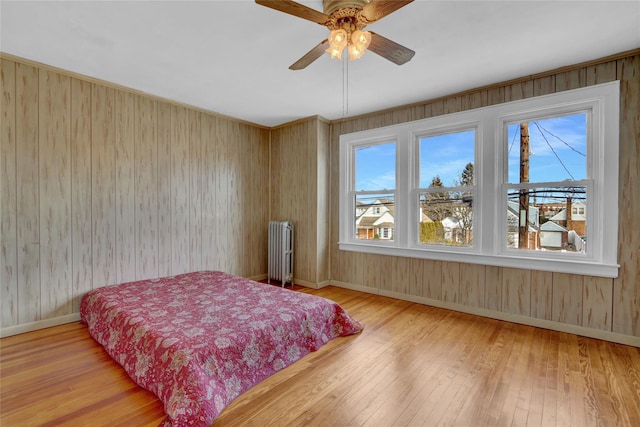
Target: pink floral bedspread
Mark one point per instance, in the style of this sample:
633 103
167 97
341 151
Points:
199 340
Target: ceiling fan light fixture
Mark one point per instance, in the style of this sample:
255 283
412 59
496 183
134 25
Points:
346 20
361 39
359 43
337 42
335 53
354 52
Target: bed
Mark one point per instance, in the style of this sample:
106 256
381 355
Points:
198 340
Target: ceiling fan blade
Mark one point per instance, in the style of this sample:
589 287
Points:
296 9
390 50
310 56
378 9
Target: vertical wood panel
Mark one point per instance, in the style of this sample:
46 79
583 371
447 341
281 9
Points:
544 85
372 270
81 190
8 209
431 280
437 108
27 194
232 200
323 211
452 105
164 189
242 214
209 207
493 288
541 294
222 211
451 282
146 188
517 91
103 204
351 267
626 287
472 285
195 189
179 190
474 100
516 291
567 298
415 277
401 275
55 194
497 95
125 252
602 73
260 194
571 80
597 299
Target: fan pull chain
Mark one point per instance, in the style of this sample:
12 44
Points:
345 86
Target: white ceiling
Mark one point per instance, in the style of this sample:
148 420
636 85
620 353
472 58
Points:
232 57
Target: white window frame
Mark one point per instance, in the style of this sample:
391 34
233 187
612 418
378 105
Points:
489 245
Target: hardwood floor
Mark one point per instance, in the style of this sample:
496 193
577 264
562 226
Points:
412 365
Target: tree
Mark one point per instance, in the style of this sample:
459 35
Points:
463 206
466 177
437 205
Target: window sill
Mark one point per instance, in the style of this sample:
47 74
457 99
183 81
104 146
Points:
571 266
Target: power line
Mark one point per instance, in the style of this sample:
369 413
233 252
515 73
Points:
561 140
554 151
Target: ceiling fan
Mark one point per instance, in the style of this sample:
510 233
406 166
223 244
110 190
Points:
346 19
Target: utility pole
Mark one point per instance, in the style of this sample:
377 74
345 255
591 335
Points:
523 225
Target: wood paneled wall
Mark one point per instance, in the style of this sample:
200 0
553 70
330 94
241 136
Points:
101 185
584 302
300 185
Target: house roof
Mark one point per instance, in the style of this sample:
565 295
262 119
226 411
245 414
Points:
552 226
232 57
367 221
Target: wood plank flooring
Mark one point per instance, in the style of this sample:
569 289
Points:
412 365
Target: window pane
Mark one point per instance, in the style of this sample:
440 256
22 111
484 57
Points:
375 217
555 217
446 218
447 160
376 167
557 149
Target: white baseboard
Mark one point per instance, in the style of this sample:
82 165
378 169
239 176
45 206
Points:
311 285
40 324
514 318
524 320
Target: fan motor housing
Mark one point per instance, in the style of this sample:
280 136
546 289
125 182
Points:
331 6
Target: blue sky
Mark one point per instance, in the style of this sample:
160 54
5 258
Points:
559 157
376 167
558 149
445 156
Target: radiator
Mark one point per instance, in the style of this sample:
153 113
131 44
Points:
280 266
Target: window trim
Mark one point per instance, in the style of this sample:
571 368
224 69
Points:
489 247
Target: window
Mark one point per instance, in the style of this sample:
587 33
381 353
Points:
547 171
373 192
528 184
446 188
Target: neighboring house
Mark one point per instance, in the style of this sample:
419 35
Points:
577 219
375 221
553 235
453 229
513 223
